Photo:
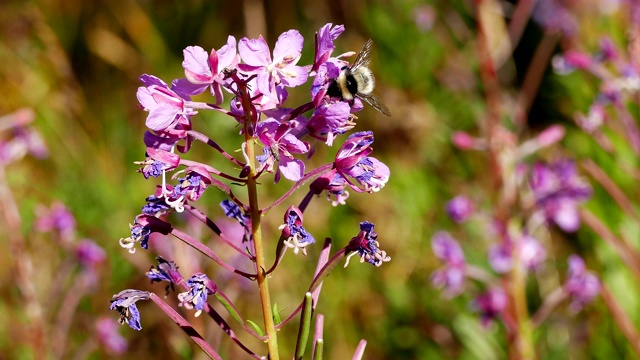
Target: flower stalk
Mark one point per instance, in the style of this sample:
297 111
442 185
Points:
256 216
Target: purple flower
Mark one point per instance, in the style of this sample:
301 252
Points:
352 161
142 227
459 209
89 254
500 257
155 206
166 271
424 16
166 108
356 148
295 235
324 43
550 135
196 181
608 51
593 120
370 173
490 304
152 168
199 288
23 138
107 333
528 250
365 244
160 157
329 121
451 275
280 144
334 184
582 285
124 303
558 190
282 69
552 16
203 70
57 218
532 253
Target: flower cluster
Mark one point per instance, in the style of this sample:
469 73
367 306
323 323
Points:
619 78
274 138
551 193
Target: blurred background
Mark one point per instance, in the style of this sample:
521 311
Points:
72 68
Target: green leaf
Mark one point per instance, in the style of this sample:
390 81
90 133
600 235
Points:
276 314
256 328
232 311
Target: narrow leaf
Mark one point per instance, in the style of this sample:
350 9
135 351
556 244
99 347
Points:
255 327
230 308
276 314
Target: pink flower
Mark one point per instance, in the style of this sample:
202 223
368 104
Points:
282 69
204 70
582 285
558 190
280 144
166 108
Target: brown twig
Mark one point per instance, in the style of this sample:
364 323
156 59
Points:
622 319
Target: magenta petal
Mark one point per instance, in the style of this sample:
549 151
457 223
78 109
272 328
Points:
149 80
250 69
227 54
288 47
567 216
196 65
294 145
447 248
161 117
254 52
294 75
264 83
266 130
146 98
292 169
171 159
154 141
185 88
381 169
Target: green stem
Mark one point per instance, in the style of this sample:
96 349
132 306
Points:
263 284
524 340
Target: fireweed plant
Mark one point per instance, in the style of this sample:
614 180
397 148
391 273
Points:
531 198
539 196
51 313
274 138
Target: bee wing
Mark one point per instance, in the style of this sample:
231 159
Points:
364 56
375 103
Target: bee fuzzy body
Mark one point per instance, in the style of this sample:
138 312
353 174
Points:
357 81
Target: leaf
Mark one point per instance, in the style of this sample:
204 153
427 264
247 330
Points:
276 314
256 328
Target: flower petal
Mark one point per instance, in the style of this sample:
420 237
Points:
288 47
196 65
254 52
292 169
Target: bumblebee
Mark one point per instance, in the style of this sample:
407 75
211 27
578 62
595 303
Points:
357 81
